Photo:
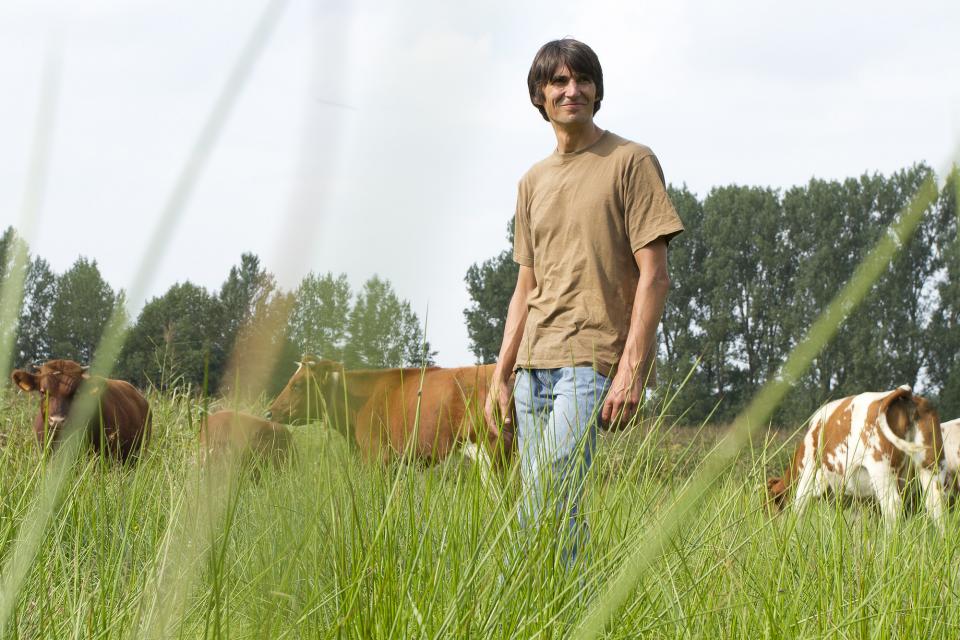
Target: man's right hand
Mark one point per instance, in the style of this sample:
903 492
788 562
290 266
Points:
497 411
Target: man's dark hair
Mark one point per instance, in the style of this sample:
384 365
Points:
574 55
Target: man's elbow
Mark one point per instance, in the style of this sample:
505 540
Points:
657 282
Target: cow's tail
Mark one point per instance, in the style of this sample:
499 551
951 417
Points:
907 447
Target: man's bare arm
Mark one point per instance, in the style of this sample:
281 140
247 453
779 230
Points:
626 389
498 401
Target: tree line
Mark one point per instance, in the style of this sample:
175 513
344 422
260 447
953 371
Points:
753 270
191 337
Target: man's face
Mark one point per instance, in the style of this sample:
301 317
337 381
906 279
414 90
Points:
568 97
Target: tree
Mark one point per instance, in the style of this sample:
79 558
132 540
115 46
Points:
319 319
747 270
80 312
247 286
944 334
384 330
14 263
899 305
40 292
255 332
175 341
682 338
490 285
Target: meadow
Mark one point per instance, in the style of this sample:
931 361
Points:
328 547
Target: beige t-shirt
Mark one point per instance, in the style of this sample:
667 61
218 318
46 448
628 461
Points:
580 218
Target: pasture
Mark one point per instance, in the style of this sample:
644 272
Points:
331 548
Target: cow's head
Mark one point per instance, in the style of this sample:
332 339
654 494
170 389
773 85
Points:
56 383
776 493
313 385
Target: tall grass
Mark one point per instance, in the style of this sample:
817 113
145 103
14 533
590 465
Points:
328 547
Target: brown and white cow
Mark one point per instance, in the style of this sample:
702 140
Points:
242 437
427 413
951 456
862 446
119 426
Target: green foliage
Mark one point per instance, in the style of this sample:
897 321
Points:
319 320
944 350
490 285
40 292
28 322
177 339
384 330
247 288
747 268
682 338
80 311
254 331
752 271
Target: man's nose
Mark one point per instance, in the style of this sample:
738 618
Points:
572 89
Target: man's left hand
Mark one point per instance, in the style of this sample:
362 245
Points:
622 399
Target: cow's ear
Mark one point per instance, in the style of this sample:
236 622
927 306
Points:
26 381
94 385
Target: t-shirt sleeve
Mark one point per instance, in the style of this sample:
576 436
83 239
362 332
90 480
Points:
522 240
648 211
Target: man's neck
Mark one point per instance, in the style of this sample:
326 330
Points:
572 139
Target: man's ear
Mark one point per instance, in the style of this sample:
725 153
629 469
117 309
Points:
26 381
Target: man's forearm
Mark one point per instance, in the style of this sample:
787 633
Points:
512 334
648 304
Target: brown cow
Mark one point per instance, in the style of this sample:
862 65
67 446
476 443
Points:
119 428
862 446
243 437
427 413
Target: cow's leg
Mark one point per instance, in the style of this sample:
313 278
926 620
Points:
481 459
808 487
932 495
885 485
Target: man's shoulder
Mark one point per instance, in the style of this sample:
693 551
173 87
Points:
628 148
609 147
539 168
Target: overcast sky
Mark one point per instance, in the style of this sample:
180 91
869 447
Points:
388 137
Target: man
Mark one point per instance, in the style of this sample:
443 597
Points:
591 230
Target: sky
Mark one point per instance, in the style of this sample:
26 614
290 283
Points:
387 138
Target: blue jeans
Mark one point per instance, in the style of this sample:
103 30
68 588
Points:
557 415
